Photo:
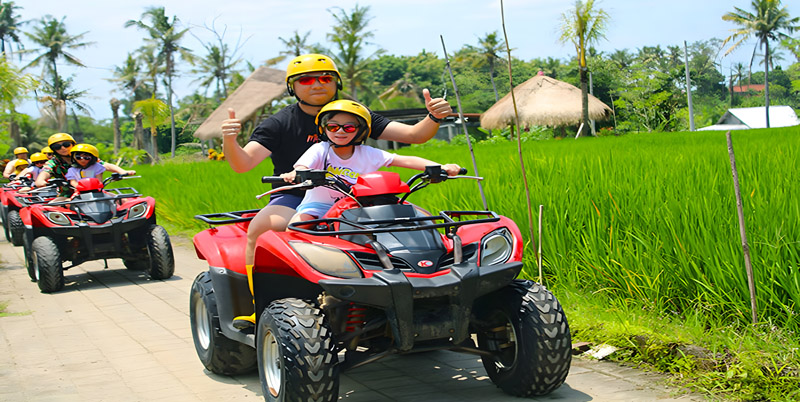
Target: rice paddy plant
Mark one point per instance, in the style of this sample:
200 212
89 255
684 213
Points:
651 218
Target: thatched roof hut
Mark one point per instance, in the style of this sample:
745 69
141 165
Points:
260 88
543 101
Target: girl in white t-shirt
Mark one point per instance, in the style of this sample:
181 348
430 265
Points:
343 126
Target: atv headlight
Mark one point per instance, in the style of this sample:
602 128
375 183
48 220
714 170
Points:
137 210
328 260
58 218
496 247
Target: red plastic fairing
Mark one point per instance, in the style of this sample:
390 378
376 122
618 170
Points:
378 183
129 202
89 184
222 246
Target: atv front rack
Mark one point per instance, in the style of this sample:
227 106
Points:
326 227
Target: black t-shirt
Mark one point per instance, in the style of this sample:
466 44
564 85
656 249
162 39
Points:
290 132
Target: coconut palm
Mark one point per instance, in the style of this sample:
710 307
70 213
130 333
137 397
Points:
767 21
55 44
296 45
115 104
350 38
14 85
154 113
9 27
166 36
129 78
486 54
215 68
583 26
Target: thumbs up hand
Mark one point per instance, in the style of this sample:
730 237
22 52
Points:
231 126
438 107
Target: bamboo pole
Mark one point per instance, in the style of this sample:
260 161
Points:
743 231
519 137
464 123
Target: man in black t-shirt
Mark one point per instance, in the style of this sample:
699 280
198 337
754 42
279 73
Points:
314 80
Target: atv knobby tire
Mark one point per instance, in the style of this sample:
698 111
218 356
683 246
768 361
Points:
16 227
219 354
161 260
4 217
530 340
46 259
296 354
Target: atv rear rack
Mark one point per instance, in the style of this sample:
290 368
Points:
225 218
326 227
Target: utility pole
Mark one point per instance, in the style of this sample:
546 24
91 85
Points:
688 86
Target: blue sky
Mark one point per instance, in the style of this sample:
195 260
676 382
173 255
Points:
400 27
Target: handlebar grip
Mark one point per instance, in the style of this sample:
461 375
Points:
462 171
271 179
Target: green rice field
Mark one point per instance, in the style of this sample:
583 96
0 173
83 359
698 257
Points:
645 219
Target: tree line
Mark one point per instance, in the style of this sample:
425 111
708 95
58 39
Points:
645 86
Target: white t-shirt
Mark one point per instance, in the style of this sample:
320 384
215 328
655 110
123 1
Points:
365 159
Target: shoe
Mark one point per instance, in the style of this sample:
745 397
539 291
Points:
245 321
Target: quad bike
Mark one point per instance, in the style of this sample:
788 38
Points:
97 223
12 202
374 276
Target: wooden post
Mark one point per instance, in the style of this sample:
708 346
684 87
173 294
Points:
743 232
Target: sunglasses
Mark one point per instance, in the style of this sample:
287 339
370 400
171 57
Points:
49 155
59 145
348 128
39 163
309 79
82 157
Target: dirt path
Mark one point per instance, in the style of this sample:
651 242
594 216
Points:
114 335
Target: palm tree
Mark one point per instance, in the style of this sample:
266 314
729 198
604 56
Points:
55 43
14 85
766 23
115 103
155 113
9 27
487 55
166 36
215 68
583 26
349 37
296 45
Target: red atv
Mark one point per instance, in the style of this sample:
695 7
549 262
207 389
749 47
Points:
12 202
373 277
97 223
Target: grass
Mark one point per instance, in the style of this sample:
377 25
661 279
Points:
641 239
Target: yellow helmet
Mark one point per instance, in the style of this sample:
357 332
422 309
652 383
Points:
309 63
58 137
20 150
20 165
39 157
87 148
347 106
47 150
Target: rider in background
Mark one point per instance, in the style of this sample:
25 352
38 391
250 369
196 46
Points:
86 164
61 144
21 153
343 127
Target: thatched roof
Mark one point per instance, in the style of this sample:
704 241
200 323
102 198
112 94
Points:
260 88
543 101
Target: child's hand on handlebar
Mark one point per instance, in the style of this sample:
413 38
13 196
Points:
289 177
451 168
129 173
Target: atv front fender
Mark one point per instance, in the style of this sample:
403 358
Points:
222 246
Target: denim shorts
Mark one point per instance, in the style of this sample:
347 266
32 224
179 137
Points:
286 200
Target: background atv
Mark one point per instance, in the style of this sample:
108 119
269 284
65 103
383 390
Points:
96 224
375 276
12 202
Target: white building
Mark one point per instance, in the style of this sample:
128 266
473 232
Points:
755 117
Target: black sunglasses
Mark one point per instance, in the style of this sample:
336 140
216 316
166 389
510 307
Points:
39 162
82 157
59 145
